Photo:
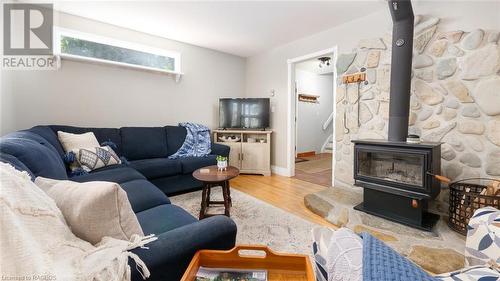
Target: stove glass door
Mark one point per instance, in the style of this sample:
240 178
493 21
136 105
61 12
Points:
401 168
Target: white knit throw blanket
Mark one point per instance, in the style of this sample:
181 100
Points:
37 244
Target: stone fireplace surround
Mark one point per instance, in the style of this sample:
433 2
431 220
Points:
455 99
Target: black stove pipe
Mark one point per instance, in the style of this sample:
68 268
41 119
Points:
402 48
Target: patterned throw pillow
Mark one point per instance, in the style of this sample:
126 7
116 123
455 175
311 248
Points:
94 158
482 246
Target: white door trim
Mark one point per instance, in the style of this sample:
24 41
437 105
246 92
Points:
291 106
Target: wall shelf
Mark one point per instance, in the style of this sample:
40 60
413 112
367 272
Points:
303 97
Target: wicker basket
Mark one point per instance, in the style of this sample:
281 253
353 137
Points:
465 199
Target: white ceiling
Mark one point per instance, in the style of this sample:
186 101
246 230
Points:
239 28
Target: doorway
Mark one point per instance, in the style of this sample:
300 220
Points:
312 98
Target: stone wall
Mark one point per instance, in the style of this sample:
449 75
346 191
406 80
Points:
455 99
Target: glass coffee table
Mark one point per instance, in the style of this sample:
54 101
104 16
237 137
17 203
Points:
212 177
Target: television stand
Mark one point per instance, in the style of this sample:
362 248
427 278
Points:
250 149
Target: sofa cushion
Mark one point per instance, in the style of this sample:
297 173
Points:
175 138
177 184
190 164
47 133
102 134
119 174
157 167
35 153
143 195
163 218
32 136
144 142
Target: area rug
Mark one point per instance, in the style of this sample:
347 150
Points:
315 166
258 222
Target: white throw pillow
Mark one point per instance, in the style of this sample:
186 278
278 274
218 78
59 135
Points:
338 254
93 210
344 260
72 142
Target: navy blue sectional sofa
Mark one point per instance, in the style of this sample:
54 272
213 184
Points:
148 176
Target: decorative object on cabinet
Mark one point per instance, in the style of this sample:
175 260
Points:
229 138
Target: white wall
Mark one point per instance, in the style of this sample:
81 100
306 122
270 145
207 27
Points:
85 94
311 116
268 71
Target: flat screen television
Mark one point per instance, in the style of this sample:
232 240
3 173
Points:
244 113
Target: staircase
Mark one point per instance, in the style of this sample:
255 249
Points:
328 145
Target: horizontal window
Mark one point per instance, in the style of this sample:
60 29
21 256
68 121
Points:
82 46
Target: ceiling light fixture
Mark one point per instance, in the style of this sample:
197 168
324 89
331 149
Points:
324 61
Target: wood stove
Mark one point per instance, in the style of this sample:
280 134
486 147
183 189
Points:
397 180
397 175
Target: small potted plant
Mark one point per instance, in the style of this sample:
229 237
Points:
221 163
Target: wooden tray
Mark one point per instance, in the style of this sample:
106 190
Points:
280 267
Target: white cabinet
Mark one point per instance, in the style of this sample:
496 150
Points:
250 150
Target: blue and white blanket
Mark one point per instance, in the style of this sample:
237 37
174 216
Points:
382 263
197 142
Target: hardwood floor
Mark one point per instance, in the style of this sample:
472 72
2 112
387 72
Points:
282 192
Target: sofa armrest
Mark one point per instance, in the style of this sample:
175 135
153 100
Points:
220 149
168 257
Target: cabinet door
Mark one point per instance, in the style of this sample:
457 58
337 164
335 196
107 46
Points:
255 156
234 154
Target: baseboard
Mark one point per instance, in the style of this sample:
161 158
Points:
280 171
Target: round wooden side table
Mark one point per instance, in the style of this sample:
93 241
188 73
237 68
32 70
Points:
212 177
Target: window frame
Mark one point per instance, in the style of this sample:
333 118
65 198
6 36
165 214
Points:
59 32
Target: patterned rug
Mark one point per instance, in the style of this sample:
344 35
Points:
315 166
257 221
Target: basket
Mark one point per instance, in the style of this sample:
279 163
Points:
290 267
465 199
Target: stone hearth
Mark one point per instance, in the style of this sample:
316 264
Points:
437 251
